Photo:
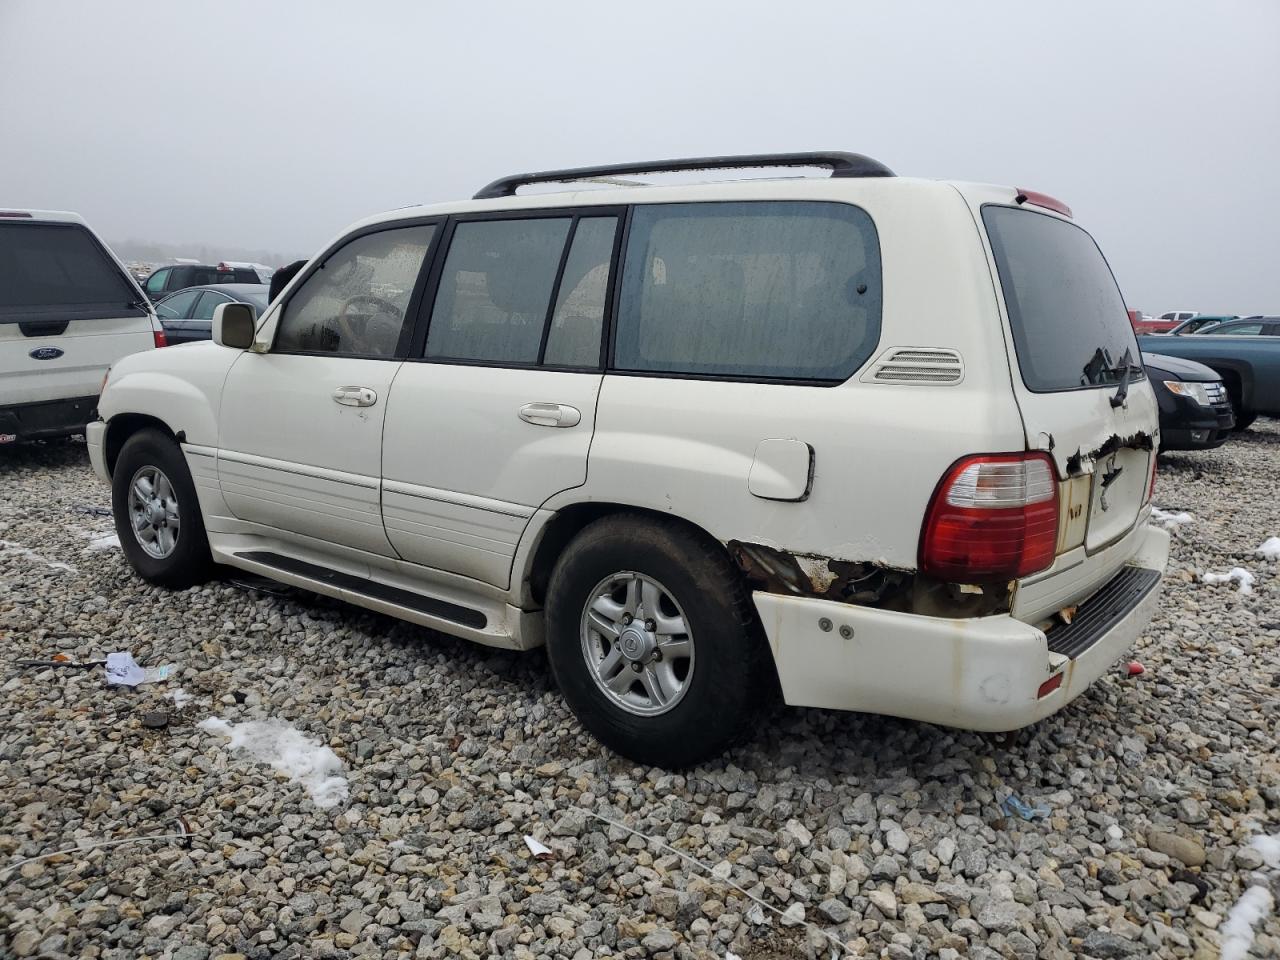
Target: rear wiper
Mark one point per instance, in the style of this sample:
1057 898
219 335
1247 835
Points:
1122 392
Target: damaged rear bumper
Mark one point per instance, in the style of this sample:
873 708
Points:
984 673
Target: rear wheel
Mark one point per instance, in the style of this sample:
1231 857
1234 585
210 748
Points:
157 514
653 640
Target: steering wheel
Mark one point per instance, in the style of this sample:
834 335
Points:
379 306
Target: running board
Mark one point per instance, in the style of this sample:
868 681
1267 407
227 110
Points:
443 609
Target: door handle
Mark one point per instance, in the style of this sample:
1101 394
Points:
355 396
550 414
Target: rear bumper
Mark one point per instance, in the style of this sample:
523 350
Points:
46 418
978 674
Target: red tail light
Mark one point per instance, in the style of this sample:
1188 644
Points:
993 517
160 338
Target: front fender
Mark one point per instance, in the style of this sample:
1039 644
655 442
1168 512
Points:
179 386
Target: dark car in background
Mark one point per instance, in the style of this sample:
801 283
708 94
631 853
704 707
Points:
1195 411
188 314
165 280
1249 365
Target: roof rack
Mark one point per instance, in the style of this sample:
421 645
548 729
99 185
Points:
841 165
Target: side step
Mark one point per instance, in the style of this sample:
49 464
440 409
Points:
463 616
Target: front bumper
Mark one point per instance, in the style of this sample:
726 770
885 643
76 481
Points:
977 674
1186 425
47 418
94 435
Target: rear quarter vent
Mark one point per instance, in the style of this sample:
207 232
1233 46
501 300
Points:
921 365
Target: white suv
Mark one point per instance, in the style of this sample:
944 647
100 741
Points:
68 310
878 444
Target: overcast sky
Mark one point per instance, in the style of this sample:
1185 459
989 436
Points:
272 125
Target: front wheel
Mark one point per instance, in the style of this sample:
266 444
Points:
156 512
653 640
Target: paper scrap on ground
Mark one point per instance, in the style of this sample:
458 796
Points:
1270 549
1169 519
290 752
539 850
17 549
1239 574
124 671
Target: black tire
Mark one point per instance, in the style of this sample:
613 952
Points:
1244 420
189 561
731 677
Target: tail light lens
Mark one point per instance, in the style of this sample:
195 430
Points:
993 517
160 339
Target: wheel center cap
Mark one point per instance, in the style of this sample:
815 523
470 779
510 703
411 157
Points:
637 645
155 511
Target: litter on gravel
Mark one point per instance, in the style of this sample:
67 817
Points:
1239 574
290 752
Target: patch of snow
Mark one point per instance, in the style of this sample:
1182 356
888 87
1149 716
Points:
290 752
1169 519
17 549
180 697
1254 906
1239 574
1270 549
108 542
1269 847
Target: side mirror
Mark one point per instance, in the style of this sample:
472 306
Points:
234 325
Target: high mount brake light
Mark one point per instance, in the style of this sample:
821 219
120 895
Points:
993 517
1042 200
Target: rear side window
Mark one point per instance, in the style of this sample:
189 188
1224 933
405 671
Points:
494 290
1070 325
354 303
60 272
760 290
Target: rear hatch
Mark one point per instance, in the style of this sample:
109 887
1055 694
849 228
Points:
1078 380
68 311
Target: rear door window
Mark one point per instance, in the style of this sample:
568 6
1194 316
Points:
495 289
1069 323
209 302
757 290
59 271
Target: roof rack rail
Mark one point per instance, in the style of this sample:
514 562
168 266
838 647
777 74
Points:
841 165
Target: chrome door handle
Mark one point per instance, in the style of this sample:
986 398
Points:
550 414
355 396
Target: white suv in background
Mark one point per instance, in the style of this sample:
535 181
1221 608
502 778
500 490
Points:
68 310
873 443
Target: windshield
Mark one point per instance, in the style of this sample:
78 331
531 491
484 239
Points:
58 271
1070 327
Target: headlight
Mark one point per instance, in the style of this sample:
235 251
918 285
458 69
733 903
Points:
1195 391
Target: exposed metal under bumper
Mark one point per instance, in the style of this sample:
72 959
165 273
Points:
1094 617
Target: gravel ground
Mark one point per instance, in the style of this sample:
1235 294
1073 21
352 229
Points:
882 835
